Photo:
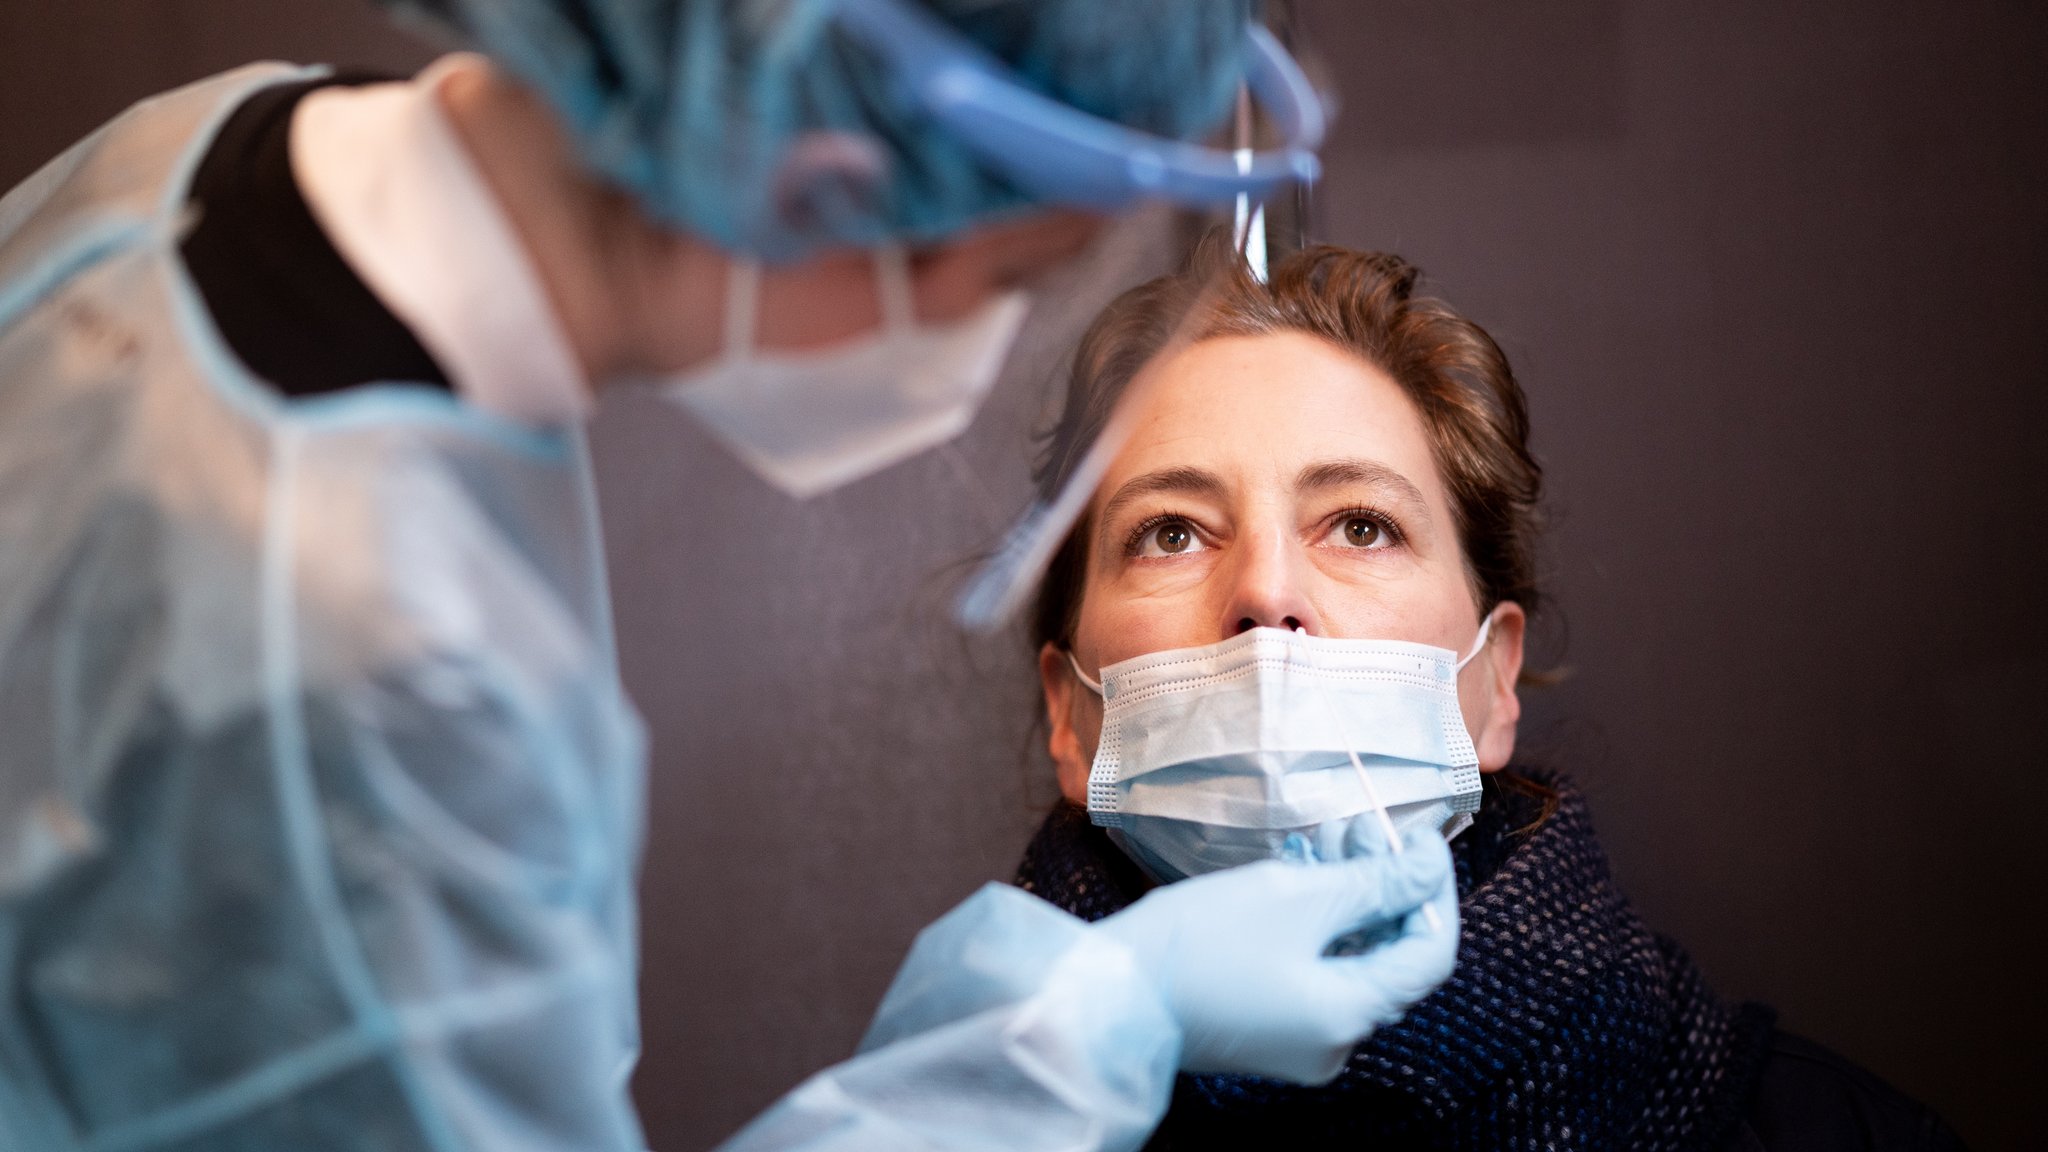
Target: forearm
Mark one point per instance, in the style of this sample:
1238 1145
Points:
1012 1026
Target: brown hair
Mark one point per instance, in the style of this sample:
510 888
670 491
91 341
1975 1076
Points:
1363 302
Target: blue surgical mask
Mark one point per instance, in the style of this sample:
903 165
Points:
1274 744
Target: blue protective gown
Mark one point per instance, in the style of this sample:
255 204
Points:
320 799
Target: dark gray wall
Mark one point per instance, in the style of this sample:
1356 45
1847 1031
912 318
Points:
1776 277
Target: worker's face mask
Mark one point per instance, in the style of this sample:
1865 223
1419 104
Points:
811 421
1218 756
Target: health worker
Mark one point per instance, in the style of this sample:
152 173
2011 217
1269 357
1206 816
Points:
320 799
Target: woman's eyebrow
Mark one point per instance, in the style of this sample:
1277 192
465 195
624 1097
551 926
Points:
1183 480
1346 473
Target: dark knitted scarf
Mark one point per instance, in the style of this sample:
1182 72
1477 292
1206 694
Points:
1568 1023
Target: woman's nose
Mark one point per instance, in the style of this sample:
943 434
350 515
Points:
1268 588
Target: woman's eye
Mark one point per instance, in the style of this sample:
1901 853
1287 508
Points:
1172 538
1362 532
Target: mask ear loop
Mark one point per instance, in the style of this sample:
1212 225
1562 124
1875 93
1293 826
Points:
1093 684
892 287
1478 642
742 303
1379 806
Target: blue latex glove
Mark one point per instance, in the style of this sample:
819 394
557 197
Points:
1240 956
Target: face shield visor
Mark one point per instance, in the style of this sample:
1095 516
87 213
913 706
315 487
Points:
1099 418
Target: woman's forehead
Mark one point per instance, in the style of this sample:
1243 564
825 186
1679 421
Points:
1259 409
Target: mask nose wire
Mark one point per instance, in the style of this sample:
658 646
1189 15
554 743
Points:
1379 806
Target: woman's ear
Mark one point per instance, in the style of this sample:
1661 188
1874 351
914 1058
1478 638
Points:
1502 664
1071 757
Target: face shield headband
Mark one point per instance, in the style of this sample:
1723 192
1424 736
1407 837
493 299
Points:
1059 154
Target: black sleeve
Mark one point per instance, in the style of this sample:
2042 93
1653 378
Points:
282 297
1811 1100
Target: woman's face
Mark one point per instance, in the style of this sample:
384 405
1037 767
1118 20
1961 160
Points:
1275 481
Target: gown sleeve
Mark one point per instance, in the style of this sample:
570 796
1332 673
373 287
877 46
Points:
1012 1026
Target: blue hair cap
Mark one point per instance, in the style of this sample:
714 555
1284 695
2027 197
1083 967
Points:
778 127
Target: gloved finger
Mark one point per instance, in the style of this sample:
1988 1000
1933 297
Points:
1296 849
1384 982
1357 995
1423 838
1385 887
1365 837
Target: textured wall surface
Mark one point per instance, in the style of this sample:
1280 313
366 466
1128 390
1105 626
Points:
1776 278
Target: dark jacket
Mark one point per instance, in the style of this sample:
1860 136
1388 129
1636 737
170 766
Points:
1567 1024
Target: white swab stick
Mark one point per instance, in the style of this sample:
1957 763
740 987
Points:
1436 922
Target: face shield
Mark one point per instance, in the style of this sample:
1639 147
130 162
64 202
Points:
779 128
1268 218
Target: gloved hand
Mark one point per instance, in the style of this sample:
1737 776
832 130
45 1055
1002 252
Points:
1239 956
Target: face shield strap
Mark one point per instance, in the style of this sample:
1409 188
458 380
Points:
1060 154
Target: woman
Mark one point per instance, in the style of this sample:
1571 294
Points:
1313 463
